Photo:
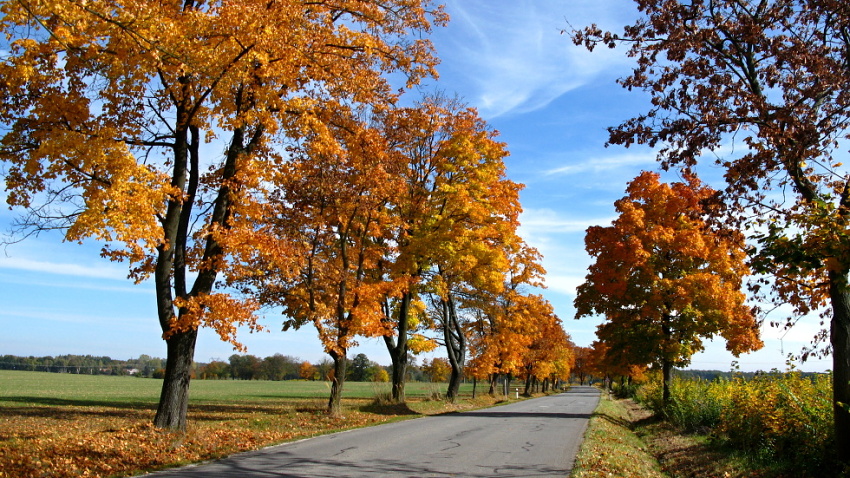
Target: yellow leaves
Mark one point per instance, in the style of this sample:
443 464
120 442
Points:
418 343
220 312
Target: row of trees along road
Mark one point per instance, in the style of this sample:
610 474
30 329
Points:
771 78
330 201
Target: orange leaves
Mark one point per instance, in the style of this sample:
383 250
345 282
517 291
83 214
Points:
664 277
220 312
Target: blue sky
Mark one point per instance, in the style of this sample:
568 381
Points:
551 102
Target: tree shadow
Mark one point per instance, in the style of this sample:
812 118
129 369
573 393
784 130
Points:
388 409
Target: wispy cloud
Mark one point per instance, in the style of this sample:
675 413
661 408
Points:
603 164
61 268
54 315
514 56
564 284
548 221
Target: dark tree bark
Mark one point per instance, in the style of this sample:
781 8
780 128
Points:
666 366
340 368
172 263
397 347
840 340
174 399
455 341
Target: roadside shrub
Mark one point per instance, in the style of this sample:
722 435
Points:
695 405
782 418
382 393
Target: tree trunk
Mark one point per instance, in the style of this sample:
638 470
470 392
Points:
666 363
527 391
340 366
840 339
455 341
493 378
474 386
666 379
174 399
398 349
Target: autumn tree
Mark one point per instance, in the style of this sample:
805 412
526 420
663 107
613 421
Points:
581 363
333 202
549 358
768 78
107 105
437 369
504 323
454 206
665 279
307 371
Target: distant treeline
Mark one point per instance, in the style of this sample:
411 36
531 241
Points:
710 375
144 366
237 367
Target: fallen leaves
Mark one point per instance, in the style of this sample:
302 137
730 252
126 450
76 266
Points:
91 441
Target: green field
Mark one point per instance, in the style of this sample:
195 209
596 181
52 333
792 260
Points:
71 389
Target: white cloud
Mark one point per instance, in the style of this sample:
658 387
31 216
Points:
603 164
544 221
62 268
514 55
564 284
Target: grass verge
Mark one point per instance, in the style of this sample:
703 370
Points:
625 439
611 448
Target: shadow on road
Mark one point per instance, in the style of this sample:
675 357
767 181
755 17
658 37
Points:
282 465
486 414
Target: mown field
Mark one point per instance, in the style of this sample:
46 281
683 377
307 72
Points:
63 425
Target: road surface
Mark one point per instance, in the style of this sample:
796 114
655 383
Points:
532 438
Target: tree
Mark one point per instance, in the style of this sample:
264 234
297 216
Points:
324 368
454 207
664 278
107 104
215 370
380 375
503 325
549 357
360 369
332 202
581 365
437 369
307 371
769 78
279 367
245 367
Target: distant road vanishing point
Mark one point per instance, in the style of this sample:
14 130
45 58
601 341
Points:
532 438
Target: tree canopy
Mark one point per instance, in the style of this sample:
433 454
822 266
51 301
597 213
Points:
761 84
107 105
665 279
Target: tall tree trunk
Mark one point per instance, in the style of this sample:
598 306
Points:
340 366
180 347
840 339
171 260
528 379
493 378
666 363
455 341
174 398
666 379
397 347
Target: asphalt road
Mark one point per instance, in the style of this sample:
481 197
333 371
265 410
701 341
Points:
532 438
